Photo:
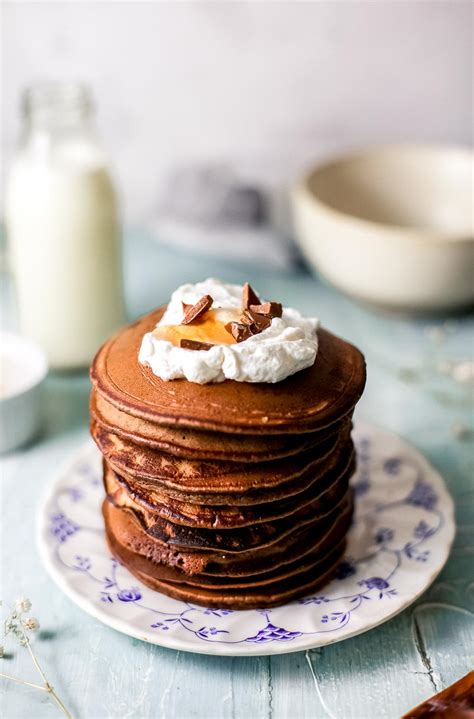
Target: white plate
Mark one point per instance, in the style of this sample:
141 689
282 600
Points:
398 543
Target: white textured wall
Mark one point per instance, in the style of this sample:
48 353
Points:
265 86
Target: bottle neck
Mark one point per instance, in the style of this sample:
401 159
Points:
57 109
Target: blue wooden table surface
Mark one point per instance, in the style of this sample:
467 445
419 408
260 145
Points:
100 673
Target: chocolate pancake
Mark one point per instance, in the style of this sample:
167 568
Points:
199 444
125 529
269 588
192 480
205 581
331 541
142 496
243 539
279 592
304 402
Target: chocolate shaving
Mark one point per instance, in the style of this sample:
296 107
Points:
192 312
195 345
252 319
239 332
270 309
249 297
185 307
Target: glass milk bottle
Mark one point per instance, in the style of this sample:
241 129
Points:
63 229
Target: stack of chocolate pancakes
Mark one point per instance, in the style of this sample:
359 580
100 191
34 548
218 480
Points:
231 494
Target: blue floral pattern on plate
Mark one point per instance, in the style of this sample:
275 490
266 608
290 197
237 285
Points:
400 539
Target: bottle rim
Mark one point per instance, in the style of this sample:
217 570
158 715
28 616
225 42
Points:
51 97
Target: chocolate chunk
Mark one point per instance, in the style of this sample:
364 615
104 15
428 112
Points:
270 309
194 345
249 297
239 332
261 322
185 307
192 312
247 319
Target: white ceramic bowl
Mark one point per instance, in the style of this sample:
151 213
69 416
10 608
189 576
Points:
23 368
392 225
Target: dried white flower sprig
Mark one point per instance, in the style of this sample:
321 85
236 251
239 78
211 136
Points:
20 625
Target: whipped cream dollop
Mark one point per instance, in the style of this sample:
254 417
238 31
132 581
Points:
288 345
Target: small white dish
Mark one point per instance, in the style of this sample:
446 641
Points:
392 225
399 541
23 368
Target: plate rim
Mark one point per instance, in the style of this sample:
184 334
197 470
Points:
216 649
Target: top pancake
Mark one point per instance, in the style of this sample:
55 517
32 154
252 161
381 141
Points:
305 402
